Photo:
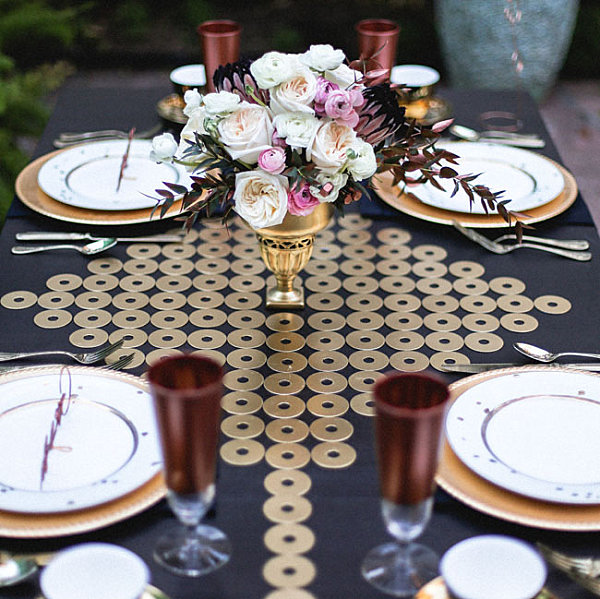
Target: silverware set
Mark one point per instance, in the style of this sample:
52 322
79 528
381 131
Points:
585 571
506 138
64 140
574 249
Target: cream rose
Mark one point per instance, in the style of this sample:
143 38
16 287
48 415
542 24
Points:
297 128
343 76
330 145
246 132
362 163
194 124
261 198
323 57
163 147
336 181
192 99
220 103
295 94
273 68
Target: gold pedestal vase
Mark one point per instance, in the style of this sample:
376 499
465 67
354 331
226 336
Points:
286 249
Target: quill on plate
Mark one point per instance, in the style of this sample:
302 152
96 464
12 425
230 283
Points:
125 157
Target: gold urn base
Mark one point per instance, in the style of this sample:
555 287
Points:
286 249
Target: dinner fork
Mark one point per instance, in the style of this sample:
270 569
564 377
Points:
82 358
118 365
567 244
587 566
502 248
68 138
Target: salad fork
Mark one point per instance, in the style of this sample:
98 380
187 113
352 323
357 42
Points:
567 244
82 358
502 248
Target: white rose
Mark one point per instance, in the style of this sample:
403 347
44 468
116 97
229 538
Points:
337 180
329 146
194 124
323 57
220 103
261 198
272 68
295 94
192 99
163 147
297 128
362 163
246 132
343 76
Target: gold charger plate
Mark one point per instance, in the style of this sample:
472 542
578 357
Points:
30 526
392 196
33 197
171 108
150 592
436 589
476 492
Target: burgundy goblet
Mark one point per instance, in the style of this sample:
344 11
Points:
220 44
377 41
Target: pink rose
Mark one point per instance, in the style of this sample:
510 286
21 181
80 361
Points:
272 160
340 106
300 201
324 88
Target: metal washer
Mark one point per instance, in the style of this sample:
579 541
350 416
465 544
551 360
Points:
169 319
289 539
404 321
442 321
289 571
515 303
356 267
393 267
466 269
481 323
248 267
284 322
290 430
283 406
137 360
326 321
359 252
405 340
321 268
131 337
167 300
393 236
429 270
210 282
287 456
242 426
243 380
93 300
363 404
213 250
397 284
324 301
484 342
207 339
246 338
364 302
363 380
478 304
138 283
205 299
354 221
214 235
394 252
326 382
429 252
167 338
63 282
100 282
246 252
242 452
207 318
331 429
246 319
173 283
444 341
552 304
239 300
440 359
140 266
365 321
241 402
178 251
470 286
434 286
368 360
327 361
213 354
507 285
247 283
327 405
246 358
108 266
333 455
325 341
130 300
287 362
360 284
211 266
326 252
409 361
285 342
52 319
322 284
353 237
440 303
56 299
92 319
365 340
175 266
143 250
519 323
88 338
402 302
284 383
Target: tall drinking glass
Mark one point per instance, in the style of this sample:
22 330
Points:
187 393
409 416
220 44
379 38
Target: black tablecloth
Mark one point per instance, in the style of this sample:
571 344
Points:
345 516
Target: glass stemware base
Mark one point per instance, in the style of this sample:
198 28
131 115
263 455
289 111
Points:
193 551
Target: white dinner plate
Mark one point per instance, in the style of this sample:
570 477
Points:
105 446
528 179
533 433
86 176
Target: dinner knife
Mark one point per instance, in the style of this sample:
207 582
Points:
58 236
475 368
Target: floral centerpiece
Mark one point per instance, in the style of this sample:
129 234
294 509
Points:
287 132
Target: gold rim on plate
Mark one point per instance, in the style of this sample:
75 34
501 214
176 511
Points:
392 196
436 589
30 193
476 492
30 526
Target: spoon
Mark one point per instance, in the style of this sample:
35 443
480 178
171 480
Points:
511 139
543 355
89 249
15 570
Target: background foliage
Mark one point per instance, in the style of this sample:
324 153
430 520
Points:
153 34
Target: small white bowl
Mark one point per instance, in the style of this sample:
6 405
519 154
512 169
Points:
189 75
493 567
414 75
95 571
